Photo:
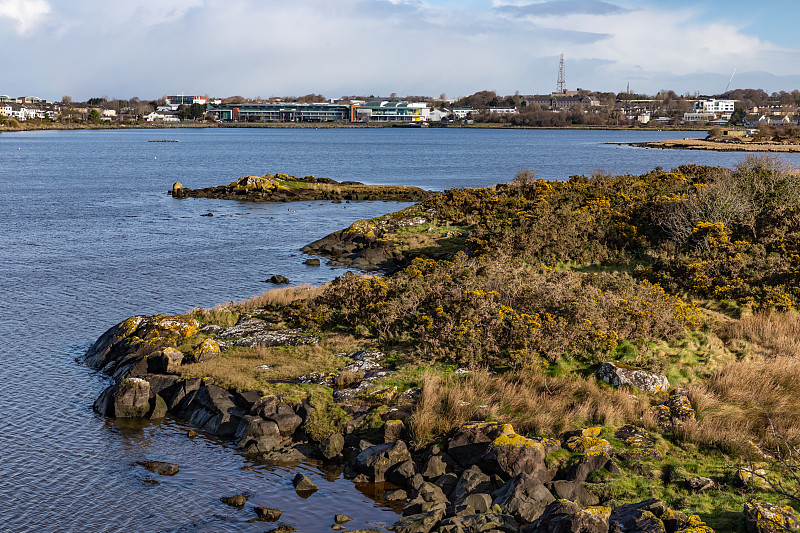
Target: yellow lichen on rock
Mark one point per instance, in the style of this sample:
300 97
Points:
587 445
208 349
175 325
515 440
383 395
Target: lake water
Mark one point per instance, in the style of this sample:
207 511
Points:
88 237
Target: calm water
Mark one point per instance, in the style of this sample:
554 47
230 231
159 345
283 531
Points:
88 237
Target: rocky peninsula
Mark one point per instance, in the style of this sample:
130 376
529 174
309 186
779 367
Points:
728 145
593 355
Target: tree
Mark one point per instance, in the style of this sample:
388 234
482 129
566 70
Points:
94 116
66 99
737 116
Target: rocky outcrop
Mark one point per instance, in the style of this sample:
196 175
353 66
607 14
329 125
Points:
286 188
618 374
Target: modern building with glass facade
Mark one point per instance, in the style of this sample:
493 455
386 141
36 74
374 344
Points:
281 112
385 111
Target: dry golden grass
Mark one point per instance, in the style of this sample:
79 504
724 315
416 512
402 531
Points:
226 315
235 368
532 402
741 401
279 297
777 333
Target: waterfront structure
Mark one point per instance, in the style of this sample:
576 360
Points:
281 112
385 111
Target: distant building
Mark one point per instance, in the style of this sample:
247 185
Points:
385 111
281 112
557 102
460 113
709 110
502 110
181 99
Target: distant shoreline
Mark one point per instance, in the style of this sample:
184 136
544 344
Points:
312 125
717 146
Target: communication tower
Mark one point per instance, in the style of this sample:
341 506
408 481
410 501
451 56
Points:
562 82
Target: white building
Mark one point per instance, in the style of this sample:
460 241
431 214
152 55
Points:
713 105
502 110
460 113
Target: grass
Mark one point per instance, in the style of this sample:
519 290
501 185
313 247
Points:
535 404
235 368
769 333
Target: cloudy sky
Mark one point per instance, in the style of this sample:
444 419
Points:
148 48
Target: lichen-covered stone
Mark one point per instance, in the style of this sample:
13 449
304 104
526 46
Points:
764 517
207 350
617 374
588 445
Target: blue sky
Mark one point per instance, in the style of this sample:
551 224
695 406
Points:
148 48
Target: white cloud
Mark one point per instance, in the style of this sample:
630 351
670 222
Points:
26 13
275 47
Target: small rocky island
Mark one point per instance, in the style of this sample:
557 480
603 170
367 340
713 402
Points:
287 188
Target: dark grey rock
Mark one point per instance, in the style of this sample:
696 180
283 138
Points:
332 446
377 460
575 491
211 408
524 497
303 484
129 398
268 514
472 481
160 467
237 500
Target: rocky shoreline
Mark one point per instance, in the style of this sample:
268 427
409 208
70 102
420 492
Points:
484 477
286 188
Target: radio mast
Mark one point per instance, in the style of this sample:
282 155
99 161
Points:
562 82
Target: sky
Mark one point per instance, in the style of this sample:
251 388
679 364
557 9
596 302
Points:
263 48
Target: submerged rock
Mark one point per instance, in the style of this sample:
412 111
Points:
160 467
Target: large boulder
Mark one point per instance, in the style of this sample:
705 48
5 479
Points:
572 490
205 351
140 335
166 361
472 481
282 414
211 408
256 435
564 516
471 441
510 454
177 394
524 497
764 517
375 461
270 408
618 374
588 463
127 399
